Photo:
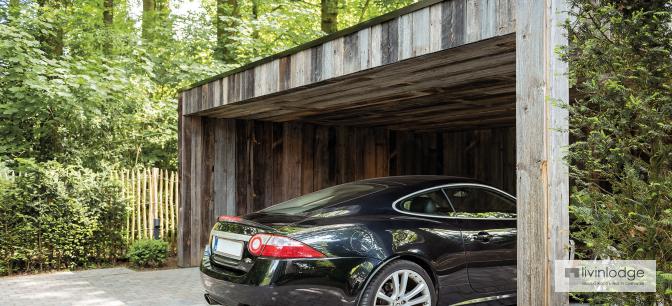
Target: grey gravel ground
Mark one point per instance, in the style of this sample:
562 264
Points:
105 287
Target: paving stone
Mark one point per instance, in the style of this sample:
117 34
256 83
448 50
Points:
105 287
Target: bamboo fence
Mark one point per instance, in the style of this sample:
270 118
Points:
152 194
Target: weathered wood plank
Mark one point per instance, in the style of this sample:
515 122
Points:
488 18
225 91
224 172
300 65
506 16
421 32
184 216
195 196
262 165
278 157
453 27
364 47
207 208
321 159
337 60
316 63
243 155
389 42
284 73
474 18
435 24
351 60
405 37
248 90
291 162
542 188
307 158
375 46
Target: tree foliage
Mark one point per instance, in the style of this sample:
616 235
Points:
620 59
87 82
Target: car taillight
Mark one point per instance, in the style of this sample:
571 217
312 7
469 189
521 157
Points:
268 245
228 219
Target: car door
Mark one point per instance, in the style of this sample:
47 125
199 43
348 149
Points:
439 238
489 232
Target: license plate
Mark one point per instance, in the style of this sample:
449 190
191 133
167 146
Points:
228 248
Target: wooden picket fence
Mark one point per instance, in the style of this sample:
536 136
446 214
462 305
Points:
152 194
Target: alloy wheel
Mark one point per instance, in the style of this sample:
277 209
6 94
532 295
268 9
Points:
403 288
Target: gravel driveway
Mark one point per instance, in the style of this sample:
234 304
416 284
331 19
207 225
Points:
105 287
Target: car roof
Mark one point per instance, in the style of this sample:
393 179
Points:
411 181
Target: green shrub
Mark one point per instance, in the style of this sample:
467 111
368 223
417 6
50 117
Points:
621 126
148 253
55 216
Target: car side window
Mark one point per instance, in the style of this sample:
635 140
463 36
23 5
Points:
477 202
432 202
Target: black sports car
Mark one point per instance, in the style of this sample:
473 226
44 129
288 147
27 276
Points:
400 241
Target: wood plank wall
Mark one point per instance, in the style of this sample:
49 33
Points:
441 26
235 167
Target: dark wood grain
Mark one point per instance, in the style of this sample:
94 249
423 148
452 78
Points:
389 42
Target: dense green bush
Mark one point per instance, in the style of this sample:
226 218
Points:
148 253
620 58
55 217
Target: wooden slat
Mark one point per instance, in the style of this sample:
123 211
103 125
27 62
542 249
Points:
435 24
244 130
184 215
196 128
389 42
321 177
284 73
405 37
307 159
453 27
351 59
375 49
541 125
473 19
291 162
420 28
364 47
262 165
207 217
278 157
316 55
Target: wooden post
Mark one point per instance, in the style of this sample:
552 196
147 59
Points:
543 184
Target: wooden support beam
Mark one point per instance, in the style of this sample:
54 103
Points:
543 192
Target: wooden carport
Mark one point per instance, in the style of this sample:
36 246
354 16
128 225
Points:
455 87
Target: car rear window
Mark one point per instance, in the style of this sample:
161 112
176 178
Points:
323 198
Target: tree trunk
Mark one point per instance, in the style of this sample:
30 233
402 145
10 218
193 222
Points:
148 17
108 18
230 10
255 32
52 43
329 16
108 12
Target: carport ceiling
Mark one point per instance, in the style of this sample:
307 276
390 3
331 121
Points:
464 87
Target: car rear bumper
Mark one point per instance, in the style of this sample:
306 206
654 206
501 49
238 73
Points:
330 281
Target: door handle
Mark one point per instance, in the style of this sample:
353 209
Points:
483 236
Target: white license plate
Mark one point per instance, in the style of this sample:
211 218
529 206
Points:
228 248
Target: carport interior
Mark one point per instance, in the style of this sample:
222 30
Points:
458 118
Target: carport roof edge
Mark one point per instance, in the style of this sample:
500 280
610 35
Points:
316 42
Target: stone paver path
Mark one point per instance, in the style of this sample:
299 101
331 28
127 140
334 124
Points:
105 287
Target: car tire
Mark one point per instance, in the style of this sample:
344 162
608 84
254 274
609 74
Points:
383 281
